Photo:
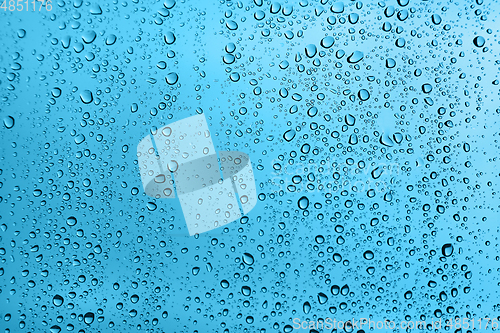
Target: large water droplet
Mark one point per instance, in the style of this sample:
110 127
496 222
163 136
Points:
436 19
479 41
447 250
89 36
363 94
306 307
95 9
248 258
9 122
311 50
337 7
303 203
327 42
231 25
86 96
71 221
169 38
289 135
426 88
88 318
58 300
368 255
172 78
246 291
169 4
355 57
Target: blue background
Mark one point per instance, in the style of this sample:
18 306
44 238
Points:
400 173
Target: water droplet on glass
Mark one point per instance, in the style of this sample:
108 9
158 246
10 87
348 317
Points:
303 203
311 50
363 94
169 38
8 122
58 300
447 250
171 78
86 96
479 41
355 57
327 42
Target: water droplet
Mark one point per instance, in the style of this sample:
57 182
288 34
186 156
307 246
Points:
88 318
248 258
447 250
368 255
111 39
303 203
95 9
337 7
311 50
436 19
390 63
355 57
231 25
71 221
322 298
246 291
426 88
89 36
172 78
169 38
86 97
228 58
400 42
151 206
58 300
275 8
327 42
289 135
479 41
230 48
259 15
169 4
363 94
306 307
9 122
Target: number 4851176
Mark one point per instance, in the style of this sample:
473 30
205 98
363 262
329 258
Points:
26 5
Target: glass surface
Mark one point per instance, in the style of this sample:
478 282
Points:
249 166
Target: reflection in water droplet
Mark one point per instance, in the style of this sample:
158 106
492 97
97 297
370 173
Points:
355 57
311 50
86 96
363 94
172 78
9 122
337 7
169 38
447 250
57 300
479 41
327 42
368 255
289 135
303 203
111 39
